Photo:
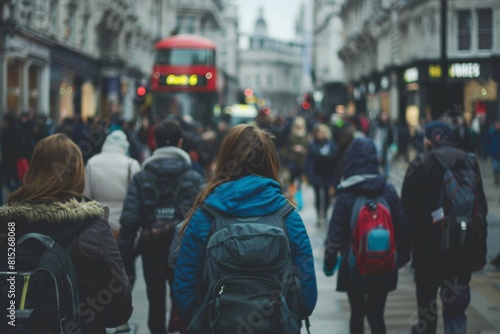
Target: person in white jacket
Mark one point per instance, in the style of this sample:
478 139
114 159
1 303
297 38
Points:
108 175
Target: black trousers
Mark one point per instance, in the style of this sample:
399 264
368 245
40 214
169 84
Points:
370 305
454 292
157 275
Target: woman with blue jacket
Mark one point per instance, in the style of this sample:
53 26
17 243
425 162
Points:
367 294
245 184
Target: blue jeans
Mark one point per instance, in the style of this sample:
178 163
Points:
454 293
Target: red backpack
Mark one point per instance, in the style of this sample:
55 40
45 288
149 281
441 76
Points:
373 249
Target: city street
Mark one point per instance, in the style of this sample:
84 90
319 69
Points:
332 310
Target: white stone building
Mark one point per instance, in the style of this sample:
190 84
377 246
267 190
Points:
61 57
272 69
395 60
328 69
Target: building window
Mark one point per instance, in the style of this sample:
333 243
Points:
53 10
270 81
257 80
190 24
464 29
485 28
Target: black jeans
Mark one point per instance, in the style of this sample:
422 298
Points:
321 200
454 293
156 276
370 304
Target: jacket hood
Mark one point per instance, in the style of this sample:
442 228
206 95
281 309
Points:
361 168
167 160
361 158
53 212
116 141
249 196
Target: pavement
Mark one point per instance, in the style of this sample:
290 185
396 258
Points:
331 314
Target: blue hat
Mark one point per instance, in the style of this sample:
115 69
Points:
438 132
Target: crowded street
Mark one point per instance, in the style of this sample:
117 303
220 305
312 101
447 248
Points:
332 311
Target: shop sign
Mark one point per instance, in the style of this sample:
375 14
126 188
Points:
411 75
464 70
435 71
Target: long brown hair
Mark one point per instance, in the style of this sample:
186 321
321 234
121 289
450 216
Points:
56 172
245 150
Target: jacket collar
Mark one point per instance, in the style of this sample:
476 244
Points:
356 179
52 212
168 152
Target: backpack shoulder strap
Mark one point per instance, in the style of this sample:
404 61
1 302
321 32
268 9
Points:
358 204
285 210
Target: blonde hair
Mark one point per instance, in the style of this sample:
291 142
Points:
323 128
56 172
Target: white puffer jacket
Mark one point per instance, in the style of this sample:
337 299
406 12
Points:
109 173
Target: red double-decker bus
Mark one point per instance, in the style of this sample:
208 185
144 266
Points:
184 78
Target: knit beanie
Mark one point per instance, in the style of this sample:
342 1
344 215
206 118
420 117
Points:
438 132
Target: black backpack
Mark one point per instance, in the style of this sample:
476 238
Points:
167 213
459 217
38 284
247 279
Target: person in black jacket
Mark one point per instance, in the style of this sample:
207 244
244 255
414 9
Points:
168 167
50 200
367 294
420 196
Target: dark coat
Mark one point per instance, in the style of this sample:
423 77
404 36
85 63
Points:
361 159
320 163
94 255
167 164
421 189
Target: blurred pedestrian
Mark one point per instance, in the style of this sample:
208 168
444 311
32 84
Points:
50 201
367 293
160 194
444 201
251 190
493 149
320 169
11 152
294 155
383 134
108 175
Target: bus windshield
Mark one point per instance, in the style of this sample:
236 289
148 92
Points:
185 57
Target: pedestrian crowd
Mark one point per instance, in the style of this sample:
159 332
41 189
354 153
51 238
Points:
215 218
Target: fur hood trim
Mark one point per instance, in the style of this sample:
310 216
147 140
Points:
53 212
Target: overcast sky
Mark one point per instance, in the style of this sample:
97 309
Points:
280 16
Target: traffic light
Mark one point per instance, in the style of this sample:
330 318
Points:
140 95
308 102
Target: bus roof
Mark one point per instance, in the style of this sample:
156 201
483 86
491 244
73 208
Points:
185 41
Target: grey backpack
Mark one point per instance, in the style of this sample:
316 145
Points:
248 280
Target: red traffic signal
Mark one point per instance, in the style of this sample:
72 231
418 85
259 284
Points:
141 91
248 92
306 105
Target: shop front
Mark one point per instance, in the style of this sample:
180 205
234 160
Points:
469 89
25 73
74 85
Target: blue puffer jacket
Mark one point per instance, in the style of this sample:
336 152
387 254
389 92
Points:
249 196
361 159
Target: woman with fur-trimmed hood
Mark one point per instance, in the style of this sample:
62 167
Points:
51 200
